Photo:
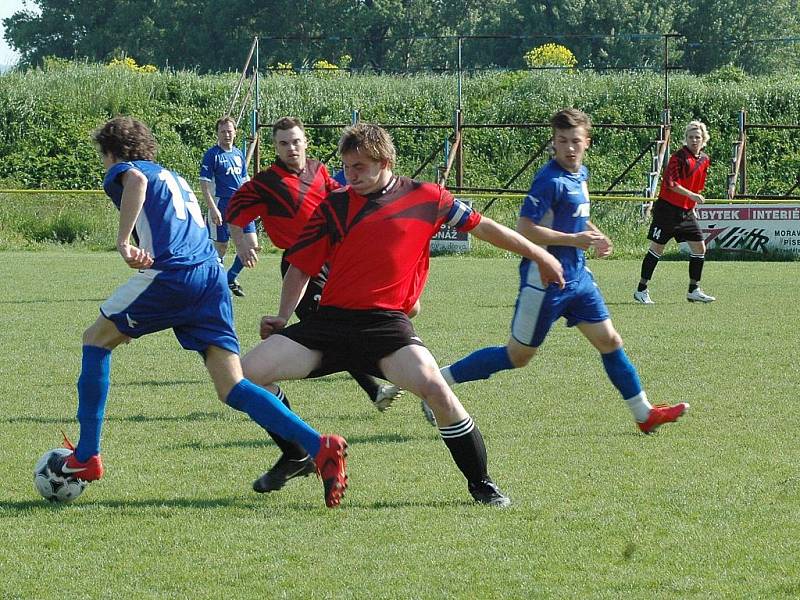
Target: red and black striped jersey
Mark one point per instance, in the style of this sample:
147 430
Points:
282 198
688 170
377 246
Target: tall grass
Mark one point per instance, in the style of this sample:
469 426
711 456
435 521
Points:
46 116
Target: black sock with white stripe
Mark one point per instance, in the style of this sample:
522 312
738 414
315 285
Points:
290 449
696 262
649 264
465 442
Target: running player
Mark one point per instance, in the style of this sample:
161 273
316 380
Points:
284 196
222 172
555 214
180 284
673 213
374 234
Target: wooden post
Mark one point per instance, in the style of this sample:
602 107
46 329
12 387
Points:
459 122
743 137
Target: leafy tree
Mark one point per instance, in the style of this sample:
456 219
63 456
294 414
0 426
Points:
401 35
723 32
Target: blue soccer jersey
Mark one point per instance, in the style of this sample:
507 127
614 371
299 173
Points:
559 200
170 225
225 171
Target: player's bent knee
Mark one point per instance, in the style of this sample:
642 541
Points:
520 357
252 370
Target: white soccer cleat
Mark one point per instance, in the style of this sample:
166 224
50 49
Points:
643 297
699 295
386 395
428 412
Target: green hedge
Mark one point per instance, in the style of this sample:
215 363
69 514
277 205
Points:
46 117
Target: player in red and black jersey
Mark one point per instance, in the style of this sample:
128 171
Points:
375 235
673 213
284 196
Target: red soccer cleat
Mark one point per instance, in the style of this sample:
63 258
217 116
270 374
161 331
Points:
91 470
662 413
332 468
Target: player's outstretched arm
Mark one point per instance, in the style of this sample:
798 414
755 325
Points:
294 286
134 187
501 236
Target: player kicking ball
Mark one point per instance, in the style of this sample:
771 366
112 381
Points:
555 214
179 284
375 236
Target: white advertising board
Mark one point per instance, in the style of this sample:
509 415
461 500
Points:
757 228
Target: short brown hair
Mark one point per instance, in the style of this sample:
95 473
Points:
225 119
126 138
287 123
569 118
371 140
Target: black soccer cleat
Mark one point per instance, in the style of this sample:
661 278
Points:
282 471
487 492
236 289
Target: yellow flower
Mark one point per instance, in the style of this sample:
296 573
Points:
550 55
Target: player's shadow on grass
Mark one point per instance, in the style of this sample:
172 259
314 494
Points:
274 502
265 442
159 382
193 416
52 300
143 383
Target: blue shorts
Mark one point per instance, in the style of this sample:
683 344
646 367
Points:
538 307
221 233
194 302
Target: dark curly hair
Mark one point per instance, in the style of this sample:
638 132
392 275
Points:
126 138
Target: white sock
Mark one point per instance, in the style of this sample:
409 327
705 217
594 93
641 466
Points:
445 371
639 406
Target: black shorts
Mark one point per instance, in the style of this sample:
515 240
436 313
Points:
353 340
670 221
310 301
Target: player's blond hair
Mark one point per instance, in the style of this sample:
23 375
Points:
368 139
697 126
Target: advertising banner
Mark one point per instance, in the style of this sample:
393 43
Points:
757 228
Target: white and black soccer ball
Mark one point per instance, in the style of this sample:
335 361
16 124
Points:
50 484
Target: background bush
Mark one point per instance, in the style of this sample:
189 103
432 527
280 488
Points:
47 114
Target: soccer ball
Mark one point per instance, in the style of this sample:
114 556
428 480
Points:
52 486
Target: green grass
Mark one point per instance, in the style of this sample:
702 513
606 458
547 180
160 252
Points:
707 508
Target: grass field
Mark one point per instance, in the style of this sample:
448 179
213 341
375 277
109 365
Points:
707 508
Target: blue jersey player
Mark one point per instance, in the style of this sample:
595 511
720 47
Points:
555 214
179 284
222 172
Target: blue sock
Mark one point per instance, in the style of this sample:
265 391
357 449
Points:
481 364
93 384
235 269
269 412
622 373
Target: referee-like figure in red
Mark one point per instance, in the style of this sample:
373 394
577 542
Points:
673 213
